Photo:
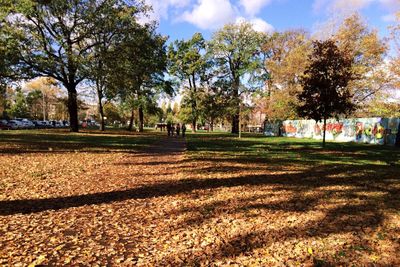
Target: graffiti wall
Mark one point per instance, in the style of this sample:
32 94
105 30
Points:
364 130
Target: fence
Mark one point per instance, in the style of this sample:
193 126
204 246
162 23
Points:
365 130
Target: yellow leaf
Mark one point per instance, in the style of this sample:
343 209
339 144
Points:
38 261
374 258
310 251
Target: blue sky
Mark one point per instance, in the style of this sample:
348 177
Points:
180 19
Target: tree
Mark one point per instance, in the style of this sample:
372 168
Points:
34 102
111 34
56 39
19 109
395 62
48 89
212 105
8 58
325 92
187 62
141 70
285 60
367 53
234 51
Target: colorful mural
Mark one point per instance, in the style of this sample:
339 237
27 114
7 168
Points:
364 130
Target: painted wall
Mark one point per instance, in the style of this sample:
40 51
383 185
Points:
364 130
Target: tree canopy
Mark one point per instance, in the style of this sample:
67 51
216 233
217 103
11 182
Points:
325 84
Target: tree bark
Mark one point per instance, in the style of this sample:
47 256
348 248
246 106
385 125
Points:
44 107
235 124
131 120
398 136
235 117
141 119
100 104
73 107
323 138
194 103
101 111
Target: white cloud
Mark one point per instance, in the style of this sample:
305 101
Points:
259 24
346 6
350 5
390 4
253 7
210 14
341 6
162 7
389 18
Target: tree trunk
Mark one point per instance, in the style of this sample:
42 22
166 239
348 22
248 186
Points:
398 136
100 103
240 120
235 117
212 125
235 124
194 126
323 138
194 103
141 119
73 107
131 120
101 111
44 107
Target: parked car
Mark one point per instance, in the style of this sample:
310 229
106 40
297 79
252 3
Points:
48 124
27 124
4 125
15 124
40 124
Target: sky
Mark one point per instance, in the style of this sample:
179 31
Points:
180 19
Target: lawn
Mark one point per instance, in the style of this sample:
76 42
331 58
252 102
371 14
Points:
143 199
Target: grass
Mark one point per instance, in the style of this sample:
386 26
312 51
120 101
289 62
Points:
117 198
282 150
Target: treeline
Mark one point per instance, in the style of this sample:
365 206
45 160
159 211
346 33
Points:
85 42
241 69
102 44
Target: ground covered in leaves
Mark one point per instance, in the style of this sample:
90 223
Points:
142 199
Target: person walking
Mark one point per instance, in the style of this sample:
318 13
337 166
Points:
172 130
183 130
178 129
169 128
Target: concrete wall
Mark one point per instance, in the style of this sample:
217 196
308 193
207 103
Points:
364 130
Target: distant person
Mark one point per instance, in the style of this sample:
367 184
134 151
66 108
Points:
178 129
172 130
169 128
183 130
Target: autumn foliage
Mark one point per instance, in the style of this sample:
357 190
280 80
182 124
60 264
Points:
140 199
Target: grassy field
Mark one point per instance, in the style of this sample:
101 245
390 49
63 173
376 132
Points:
143 199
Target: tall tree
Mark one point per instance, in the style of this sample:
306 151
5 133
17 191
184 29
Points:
187 62
19 109
285 60
395 62
48 89
110 35
56 39
8 57
367 52
141 70
325 93
234 50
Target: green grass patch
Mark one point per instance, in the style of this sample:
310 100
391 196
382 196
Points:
282 150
